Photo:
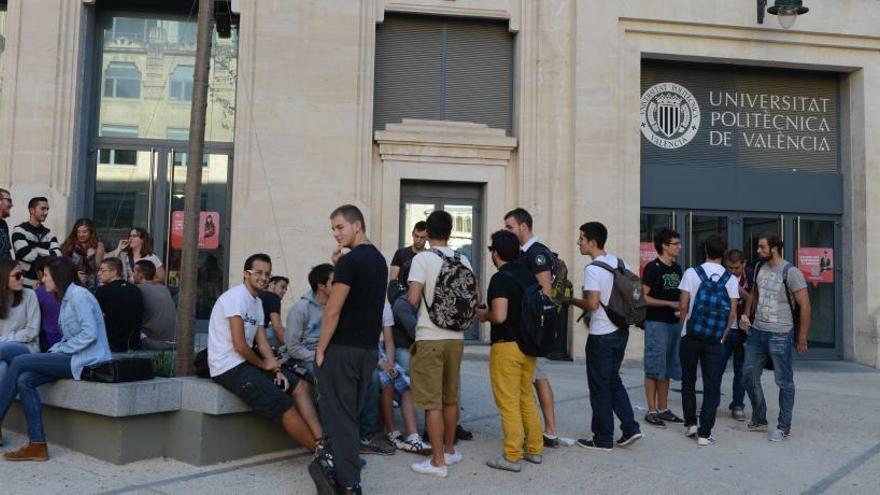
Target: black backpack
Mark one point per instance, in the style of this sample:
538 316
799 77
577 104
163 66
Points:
627 305
537 333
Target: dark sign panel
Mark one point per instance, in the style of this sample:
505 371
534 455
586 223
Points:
718 116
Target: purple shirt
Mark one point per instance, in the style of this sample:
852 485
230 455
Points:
50 333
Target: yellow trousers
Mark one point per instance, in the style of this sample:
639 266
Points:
511 373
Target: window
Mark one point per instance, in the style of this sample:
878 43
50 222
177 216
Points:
180 87
177 133
109 156
443 68
122 80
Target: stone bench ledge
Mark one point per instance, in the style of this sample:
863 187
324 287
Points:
115 400
204 396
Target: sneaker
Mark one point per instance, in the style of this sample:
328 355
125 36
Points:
752 426
396 439
462 434
589 444
454 458
324 479
779 435
654 419
427 468
352 490
503 464
703 442
566 442
670 416
626 441
690 431
533 458
552 443
415 446
376 447
738 414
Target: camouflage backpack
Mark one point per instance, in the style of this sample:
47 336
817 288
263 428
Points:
455 294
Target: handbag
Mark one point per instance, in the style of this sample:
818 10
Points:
119 370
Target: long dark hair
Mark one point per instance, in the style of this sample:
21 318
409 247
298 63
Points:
146 242
6 267
63 273
71 242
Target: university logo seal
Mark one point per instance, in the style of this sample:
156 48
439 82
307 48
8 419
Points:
670 115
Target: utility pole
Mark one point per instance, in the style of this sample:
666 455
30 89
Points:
186 309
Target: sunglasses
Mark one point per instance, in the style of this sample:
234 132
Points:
16 275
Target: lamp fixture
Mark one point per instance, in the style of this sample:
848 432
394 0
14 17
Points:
785 10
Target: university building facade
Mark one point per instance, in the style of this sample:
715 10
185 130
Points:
643 115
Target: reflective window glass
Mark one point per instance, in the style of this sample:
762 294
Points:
181 85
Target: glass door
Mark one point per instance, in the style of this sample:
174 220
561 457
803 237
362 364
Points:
125 191
650 223
816 257
700 227
752 228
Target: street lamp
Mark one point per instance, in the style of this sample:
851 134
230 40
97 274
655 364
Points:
786 10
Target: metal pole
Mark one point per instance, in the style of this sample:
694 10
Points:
186 310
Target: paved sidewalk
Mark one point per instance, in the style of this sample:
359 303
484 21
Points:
834 448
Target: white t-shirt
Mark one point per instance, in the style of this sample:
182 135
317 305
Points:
598 279
237 301
690 283
387 316
425 269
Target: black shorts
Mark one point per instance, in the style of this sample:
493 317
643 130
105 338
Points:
257 389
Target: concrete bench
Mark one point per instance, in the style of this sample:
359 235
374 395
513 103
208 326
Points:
193 420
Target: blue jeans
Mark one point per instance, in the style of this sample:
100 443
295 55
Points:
735 338
661 350
25 374
608 397
9 350
369 416
779 348
402 357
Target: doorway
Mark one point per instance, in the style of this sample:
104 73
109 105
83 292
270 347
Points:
464 201
811 244
137 186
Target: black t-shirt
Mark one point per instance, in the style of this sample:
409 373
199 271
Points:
403 259
5 243
538 258
363 269
503 285
271 304
663 281
123 307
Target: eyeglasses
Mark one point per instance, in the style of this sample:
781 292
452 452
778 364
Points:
102 270
16 275
675 243
259 274
6 198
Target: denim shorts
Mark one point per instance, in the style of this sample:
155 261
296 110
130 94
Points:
401 382
257 389
661 350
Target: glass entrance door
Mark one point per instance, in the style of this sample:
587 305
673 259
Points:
817 259
464 203
145 188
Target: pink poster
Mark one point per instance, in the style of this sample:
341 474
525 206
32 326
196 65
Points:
817 265
647 253
209 229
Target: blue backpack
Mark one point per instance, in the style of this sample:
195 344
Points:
708 320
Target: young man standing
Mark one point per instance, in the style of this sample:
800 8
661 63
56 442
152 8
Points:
703 293
605 348
734 343
32 240
436 354
159 321
780 290
271 298
234 327
403 257
662 331
511 371
347 351
540 261
5 243
123 306
304 320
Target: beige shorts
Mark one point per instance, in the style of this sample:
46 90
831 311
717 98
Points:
435 368
540 373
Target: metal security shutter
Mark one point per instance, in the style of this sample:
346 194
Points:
443 68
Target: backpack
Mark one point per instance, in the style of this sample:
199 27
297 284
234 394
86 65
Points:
455 294
538 329
561 290
627 305
708 320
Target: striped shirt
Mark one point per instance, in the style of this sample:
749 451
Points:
30 244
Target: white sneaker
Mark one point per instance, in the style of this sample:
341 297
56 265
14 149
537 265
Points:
691 431
454 458
427 468
703 442
396 439
566 442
